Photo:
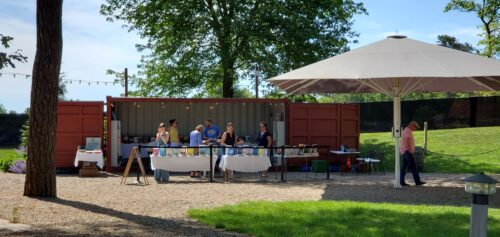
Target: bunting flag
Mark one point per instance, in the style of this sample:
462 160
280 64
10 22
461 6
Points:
70 81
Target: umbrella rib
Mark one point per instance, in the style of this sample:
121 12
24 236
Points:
379 88
359 87
480 83
405 90
306 85
493 80
294 84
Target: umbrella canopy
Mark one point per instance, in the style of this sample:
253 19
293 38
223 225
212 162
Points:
418 66
395 66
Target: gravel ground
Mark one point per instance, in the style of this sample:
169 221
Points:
102 207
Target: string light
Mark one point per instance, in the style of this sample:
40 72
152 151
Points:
27 76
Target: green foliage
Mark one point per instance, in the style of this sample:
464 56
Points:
3 110
62 89
24 132
452 42
488 12
8 157
201 46
462 142
342 218
8 59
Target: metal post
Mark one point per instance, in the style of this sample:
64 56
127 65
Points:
425 137
211 165
282 163
126 82
397 132
479 216
256 86
328 162
138 168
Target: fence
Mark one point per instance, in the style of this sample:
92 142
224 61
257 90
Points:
439 113
10 125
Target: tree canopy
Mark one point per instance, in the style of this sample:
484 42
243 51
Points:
201 46
488 12
454 43
8 59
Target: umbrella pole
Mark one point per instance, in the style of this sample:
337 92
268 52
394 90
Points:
396 133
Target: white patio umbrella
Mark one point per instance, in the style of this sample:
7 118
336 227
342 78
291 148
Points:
395 67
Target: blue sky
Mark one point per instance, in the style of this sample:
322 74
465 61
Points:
92 45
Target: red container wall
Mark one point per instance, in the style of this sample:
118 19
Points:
75 122
349 133
314 124
324 124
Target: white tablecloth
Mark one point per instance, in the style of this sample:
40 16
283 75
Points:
90 156
182 163
244 163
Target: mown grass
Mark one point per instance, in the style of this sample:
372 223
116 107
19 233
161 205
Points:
462 142
8 157
342 218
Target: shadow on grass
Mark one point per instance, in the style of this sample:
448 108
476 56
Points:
130 224
338 219
429 195
434 163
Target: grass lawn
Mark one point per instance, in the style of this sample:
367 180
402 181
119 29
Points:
343 218
463 141
7 157
7 153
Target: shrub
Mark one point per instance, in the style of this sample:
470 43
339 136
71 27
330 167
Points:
8 161
19 167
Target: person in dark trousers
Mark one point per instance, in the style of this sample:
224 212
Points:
407 150
265 140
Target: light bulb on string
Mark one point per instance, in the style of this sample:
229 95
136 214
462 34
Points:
14 75
80 81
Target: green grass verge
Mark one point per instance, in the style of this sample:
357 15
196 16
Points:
463 141
7 158
342 218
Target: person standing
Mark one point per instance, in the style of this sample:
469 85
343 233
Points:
162 137
195 139
265 140
228 139
174 133
407 151
212 132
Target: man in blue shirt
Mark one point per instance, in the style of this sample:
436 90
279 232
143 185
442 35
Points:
212 132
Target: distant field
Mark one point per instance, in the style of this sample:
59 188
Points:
462 142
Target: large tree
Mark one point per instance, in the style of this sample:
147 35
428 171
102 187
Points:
40 169
488 12
203 45
8 59
454 43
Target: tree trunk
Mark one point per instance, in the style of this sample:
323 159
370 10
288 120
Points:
227 83
40 171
